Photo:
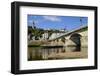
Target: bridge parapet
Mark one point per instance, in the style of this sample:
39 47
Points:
83 32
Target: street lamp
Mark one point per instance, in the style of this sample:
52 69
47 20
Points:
81 21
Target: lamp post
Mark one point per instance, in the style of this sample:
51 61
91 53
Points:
81 21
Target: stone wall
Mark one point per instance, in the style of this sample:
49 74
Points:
84 38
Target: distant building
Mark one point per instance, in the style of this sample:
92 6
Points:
55 35
45 36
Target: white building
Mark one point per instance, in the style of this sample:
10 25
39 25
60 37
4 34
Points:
55 35
45 36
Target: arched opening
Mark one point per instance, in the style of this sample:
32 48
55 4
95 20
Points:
75 37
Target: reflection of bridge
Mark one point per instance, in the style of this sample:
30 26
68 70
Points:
77 37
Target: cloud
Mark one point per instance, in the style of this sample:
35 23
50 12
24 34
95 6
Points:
52 18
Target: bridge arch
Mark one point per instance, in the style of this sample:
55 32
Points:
76 38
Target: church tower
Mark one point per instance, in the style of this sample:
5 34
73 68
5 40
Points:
33 26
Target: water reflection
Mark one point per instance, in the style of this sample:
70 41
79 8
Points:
39 53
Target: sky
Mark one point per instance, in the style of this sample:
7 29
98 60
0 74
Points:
57 22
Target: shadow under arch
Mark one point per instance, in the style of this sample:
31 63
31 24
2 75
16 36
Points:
76 38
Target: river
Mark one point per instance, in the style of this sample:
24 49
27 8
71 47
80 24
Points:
52 53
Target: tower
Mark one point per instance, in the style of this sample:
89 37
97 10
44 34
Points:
33 26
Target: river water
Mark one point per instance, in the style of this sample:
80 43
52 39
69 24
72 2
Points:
38 53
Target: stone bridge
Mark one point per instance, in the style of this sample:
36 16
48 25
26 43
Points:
77 37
